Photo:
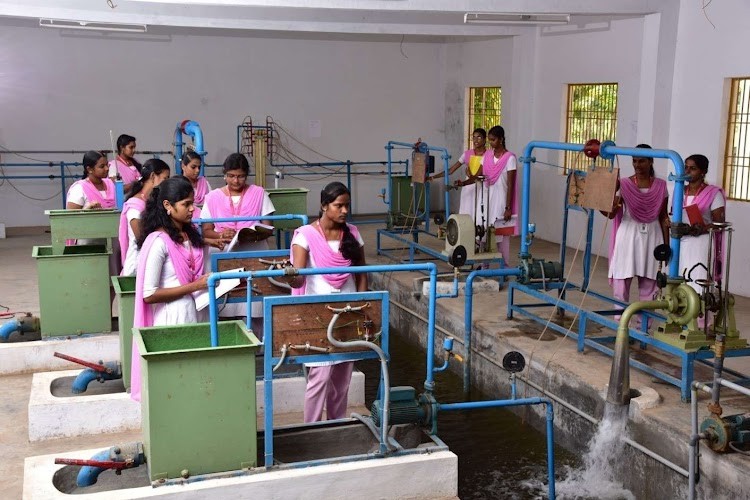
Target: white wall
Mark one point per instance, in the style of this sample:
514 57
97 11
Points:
599 54
705 59
66 92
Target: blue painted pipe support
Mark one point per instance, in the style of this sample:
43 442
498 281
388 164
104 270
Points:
430 267
608 151
82 381
448 348
7 328
178 149
119 194
504 403
468 309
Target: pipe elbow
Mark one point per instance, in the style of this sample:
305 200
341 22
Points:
82 381
7 328
88 475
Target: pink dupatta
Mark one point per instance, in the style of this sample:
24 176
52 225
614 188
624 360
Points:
220 205
134 203
643 206
201 189
703 200
492 169
93 194
128 173
143 315
324 255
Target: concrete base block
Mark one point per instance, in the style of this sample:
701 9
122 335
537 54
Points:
648 398
38 355
52 417
479 285
392 477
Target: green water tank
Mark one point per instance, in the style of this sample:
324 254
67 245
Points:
125 291
82 224
197 401
288 201
73 289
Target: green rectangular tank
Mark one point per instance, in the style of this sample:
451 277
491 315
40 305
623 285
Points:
197 401
82 224
125 290
73 290
405 196
288 201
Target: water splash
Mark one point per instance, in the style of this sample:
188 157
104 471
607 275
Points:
596 478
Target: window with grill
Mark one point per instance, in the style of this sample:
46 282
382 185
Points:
485 109
737 152
591 114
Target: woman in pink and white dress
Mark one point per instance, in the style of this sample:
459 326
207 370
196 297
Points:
191 170
711 202
640 224
170 264
328 242
497 202
154 171
127 167
236 199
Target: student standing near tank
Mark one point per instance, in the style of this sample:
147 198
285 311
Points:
328 242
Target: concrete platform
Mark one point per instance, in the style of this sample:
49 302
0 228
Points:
38 355
385 478
54 412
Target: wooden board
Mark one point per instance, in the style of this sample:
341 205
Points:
296 324
601 184
264 286
576 188
419 167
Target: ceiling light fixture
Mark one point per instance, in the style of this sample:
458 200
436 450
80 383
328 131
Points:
502 18
92 25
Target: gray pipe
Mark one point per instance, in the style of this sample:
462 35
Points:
383 368
619 378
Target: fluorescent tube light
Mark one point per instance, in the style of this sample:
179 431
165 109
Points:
92 25
502 18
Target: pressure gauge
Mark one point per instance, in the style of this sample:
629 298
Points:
514 362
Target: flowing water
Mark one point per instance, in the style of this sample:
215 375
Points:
499 456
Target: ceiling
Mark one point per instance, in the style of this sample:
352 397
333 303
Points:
413 18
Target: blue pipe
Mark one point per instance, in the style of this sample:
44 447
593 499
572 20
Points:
608 151
249 275
7 328
502 403
194 130
178 149
89 474
468 308
119 194
82 381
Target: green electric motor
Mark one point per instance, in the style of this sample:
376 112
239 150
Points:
404 407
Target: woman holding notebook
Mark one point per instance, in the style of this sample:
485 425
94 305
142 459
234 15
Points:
236 199
328 242
170 263
710 202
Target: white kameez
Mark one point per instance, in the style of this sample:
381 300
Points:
633 254
498 195
467 199
694 249
160 273
131 258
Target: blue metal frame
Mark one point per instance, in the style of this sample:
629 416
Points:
269 360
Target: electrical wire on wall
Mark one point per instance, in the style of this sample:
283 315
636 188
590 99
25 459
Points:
16 188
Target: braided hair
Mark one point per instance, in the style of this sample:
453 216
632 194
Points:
153 166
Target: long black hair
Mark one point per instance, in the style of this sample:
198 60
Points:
155 217
89 161
651 172
123 141
498 132
153 166
350 248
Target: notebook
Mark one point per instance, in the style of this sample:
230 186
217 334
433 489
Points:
222 288
246 236
694 215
